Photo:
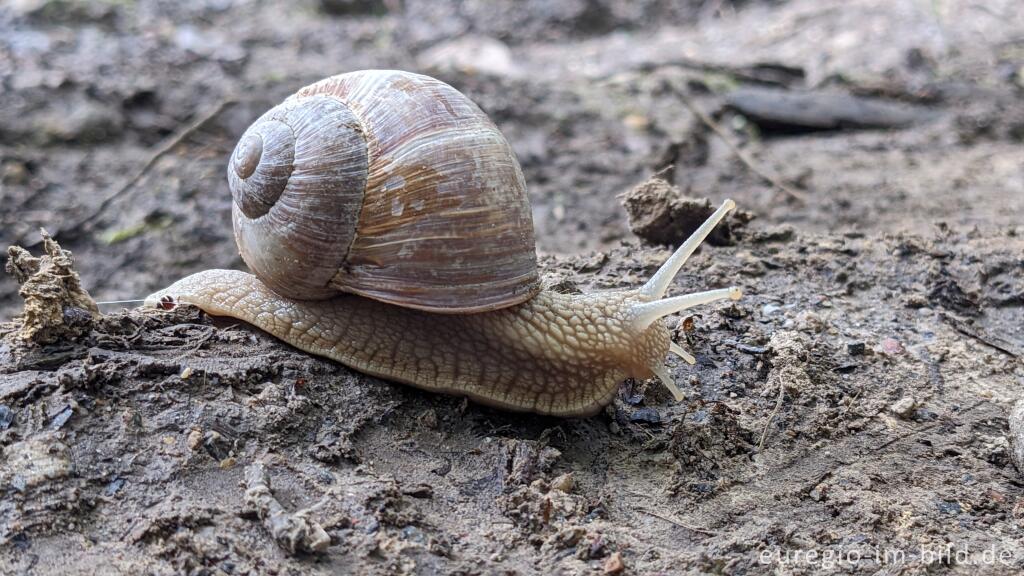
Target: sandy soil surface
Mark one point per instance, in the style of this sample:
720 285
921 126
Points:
849 415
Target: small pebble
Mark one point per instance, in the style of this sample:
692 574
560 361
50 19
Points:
1016 421
846 367
856 348
113 487
6 417
195 439
751 349
903 407
892 346
948 507
62 418
810 322
563 483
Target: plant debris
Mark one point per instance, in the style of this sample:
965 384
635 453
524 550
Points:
295 532
56 305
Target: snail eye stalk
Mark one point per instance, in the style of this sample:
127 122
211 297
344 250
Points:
659 283
645 313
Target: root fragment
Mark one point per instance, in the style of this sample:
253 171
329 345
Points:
294 532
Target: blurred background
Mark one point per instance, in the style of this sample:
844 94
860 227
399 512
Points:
877 116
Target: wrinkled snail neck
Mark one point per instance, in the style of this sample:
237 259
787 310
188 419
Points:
554 354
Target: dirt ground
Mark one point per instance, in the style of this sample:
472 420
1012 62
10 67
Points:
848 415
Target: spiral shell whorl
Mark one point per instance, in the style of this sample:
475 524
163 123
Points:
260 167
297 178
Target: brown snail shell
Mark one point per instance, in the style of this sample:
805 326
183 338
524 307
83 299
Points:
387 184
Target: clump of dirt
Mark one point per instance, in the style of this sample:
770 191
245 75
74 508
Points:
659 213
56 304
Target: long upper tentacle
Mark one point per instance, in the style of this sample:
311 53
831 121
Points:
659 283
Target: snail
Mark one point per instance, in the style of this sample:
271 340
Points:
387 227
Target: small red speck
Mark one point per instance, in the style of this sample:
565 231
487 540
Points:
167 303
892 346
687 324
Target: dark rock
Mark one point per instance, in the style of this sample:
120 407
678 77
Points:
846 367
76 317
422 491
778 111
353 7
62 418
647 415
856 348
6 417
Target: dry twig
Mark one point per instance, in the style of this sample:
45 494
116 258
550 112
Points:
931 426
743 157
294 532
675 522
771 418
165 148
958 325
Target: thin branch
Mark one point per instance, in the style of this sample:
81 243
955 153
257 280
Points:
770 73
913 433
743 157
771 418
957 325
165 148
675 522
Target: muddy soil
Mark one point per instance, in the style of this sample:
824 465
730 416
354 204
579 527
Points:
849 415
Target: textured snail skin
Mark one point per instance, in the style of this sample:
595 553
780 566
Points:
555 354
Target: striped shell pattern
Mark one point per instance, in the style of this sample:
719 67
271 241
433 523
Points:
386 184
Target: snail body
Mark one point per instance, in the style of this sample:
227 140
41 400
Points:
416 262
